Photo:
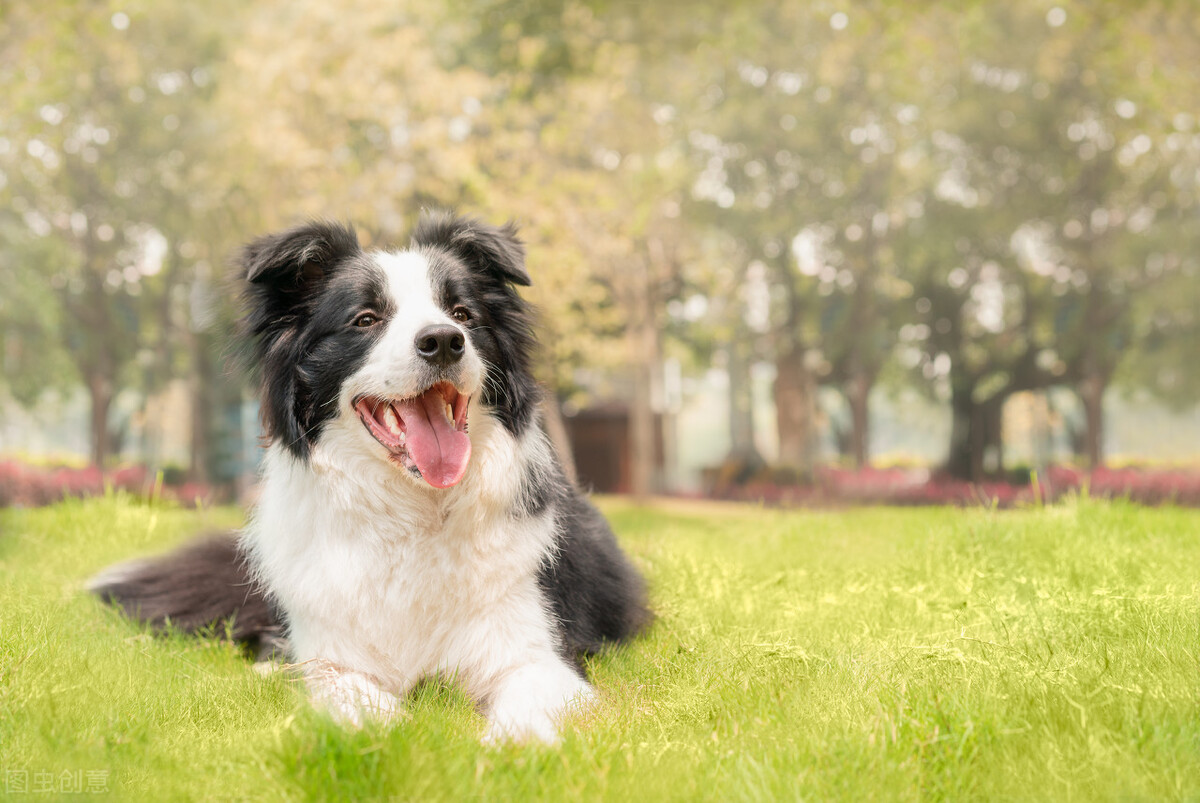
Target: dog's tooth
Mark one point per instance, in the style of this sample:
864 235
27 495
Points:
449 412
393 423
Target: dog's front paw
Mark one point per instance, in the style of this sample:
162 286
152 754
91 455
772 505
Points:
531 703
351 698
538 728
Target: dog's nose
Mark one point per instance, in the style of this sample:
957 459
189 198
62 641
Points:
441 344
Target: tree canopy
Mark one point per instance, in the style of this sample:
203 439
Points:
973 200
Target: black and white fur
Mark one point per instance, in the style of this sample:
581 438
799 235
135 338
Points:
380 580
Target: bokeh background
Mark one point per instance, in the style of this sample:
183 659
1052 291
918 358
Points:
792 251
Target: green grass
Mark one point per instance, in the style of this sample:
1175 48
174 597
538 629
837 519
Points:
866 654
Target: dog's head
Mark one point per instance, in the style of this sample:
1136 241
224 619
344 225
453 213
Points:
400 341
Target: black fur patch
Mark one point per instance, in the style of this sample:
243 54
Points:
477 266
304 289
593 589
203 584
538 491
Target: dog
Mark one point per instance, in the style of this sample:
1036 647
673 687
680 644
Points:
414 520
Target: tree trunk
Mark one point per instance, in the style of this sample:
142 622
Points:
976 435
841 437
556 429
741 401
992 454
795 413
858 392
959 462
967 436
1091 394
795 389
100 391
641 435
201 387
743 461
643 343
96 359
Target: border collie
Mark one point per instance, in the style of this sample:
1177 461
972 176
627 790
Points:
413 519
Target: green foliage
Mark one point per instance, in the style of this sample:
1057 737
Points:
107 173
895 654
975 199
34 357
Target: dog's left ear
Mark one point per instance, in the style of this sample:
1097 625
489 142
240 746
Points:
495 249
297 259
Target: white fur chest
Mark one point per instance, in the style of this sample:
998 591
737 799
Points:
379 575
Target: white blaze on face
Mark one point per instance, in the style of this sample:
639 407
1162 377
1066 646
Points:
393 369
417 413
414 306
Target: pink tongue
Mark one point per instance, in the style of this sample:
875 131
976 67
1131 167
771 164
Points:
438 449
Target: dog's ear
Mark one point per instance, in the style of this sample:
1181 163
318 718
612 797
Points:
281 273
298 259
494 249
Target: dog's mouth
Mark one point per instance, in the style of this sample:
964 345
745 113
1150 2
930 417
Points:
426 434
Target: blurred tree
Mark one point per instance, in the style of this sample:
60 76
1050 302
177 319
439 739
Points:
346 110
34 357
104 107
1122 232
1035 241
800 146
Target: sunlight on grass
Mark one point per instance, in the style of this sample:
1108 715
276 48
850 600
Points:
878 653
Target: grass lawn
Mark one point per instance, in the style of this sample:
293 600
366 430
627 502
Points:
864 654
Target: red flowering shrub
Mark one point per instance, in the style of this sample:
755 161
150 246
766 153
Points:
897 486
25 485
1152 487
28 486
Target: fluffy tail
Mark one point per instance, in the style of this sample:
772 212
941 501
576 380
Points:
202 584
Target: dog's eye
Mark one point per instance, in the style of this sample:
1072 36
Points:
460 314
366 319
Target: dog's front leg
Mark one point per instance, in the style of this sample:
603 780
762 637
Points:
530 701
352 698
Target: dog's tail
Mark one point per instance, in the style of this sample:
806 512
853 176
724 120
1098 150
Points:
203 584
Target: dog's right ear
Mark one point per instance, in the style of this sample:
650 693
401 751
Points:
282 272
294 261
495 250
